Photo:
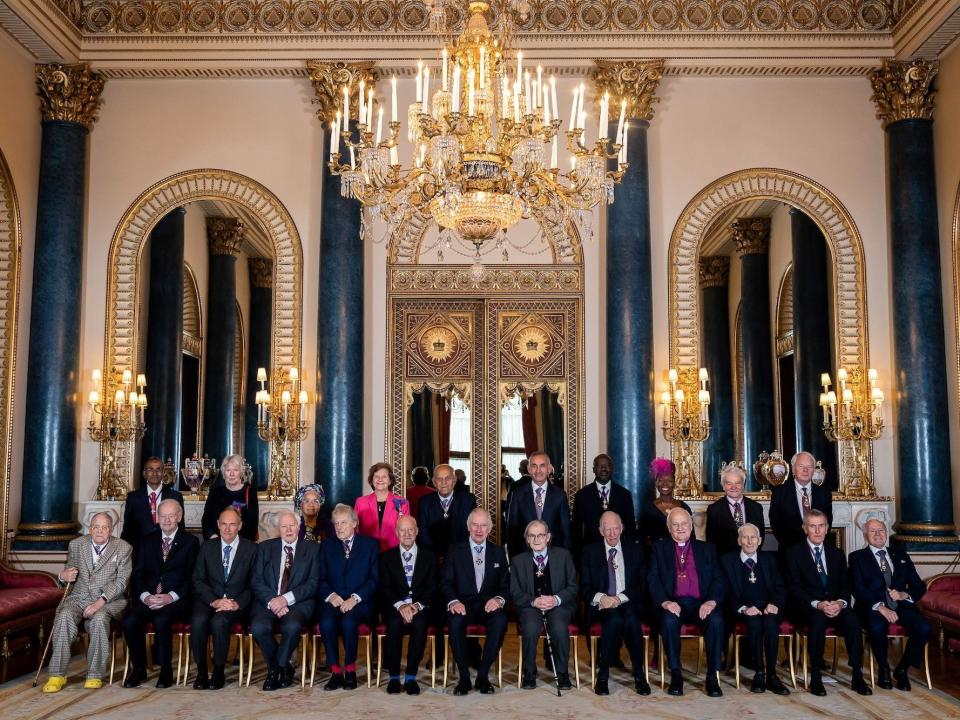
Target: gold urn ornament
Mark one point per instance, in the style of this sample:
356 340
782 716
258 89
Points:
771 469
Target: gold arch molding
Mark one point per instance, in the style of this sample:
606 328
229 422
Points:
955 252
851 348
123 291
9 315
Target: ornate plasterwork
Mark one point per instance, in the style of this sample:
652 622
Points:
261 272
123 291
714 271
635 81
224 235
509 279
751 235
329 79
69 92
902 90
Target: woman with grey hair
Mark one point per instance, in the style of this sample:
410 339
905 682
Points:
233 492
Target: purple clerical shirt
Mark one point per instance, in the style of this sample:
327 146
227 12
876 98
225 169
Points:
688 584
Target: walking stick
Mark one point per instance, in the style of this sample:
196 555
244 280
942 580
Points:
46 648
553 658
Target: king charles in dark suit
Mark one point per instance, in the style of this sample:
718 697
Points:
221 595
408 590
162 575
349 565
537 499
141 504
475 584
819 589
596 498
543 584
285 577
729 513
442 518
756 596
887 587
613 580
789 501
686 584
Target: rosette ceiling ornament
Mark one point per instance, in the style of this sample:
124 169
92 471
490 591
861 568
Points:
485 132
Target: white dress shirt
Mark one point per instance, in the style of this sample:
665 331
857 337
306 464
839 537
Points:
546 559
800 487
743 559
171 593
413 561
823 563
618 571
233 551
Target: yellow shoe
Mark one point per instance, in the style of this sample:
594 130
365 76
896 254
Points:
55 683
92 684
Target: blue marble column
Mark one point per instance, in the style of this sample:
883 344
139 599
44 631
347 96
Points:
70 97
752 237
921 431
257 451
224 237
721 446
812 338
165 339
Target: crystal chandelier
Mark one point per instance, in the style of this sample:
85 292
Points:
481 132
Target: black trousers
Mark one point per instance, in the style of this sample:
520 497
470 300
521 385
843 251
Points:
530 622
138 615
333 625
262 626
496 628
912 620
205 622
619 625
396 628
711 628
763 639
847 624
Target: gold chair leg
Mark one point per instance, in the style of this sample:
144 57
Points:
646 658
793 674
593 662
304 640
186 662
113 654
663 681
249 658
126 668
149 652
446 659
313 660
699 653
736 657
499 667
576 658
369 671
870 653
520 661
926 664
806 674
433 661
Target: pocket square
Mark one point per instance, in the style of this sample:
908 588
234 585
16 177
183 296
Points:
496 565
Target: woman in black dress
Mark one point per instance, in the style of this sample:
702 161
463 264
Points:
235 491
653 514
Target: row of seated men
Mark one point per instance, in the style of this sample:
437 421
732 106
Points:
287 584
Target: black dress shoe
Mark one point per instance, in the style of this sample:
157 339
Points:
484 686
463 688
816 685
135 677
287 675
641 685
165 679
563 681
394 687
859 685
350 681
335 682
201 683
713 685
273 680
759 683
902 678
529 682
776 687
884 681
412 687
601 688
217 681
676 683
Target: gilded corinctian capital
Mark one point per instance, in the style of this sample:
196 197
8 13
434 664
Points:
329 79
224 235
752 235
714 271
261 272
902 90
69 92
635 81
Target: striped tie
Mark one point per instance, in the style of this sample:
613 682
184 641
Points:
408 572
165 549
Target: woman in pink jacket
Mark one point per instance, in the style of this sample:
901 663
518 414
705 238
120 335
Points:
379 511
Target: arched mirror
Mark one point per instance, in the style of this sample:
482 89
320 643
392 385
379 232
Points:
439 429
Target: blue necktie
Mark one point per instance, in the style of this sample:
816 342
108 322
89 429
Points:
408 571
820 571
226 560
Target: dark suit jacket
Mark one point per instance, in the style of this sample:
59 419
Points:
393 579
785 519
594 578
722 530
174 575
208 582
303 576
803 581
521 510
137 520
437 533
663 572
767 574
458 581
358 574
587 510
563 578
869 587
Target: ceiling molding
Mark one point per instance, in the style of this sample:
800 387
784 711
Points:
42 28
927 29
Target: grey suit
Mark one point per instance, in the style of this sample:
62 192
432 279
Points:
563 584
108 579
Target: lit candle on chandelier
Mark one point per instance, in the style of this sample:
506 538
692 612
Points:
456 88
602 129
393 99
573 108
362 117
419 81
379 125
426 91
444 75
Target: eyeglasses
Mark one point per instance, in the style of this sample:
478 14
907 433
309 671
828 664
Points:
538 537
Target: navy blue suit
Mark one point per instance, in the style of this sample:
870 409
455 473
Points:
767 588
438 533
137 518
785 519
357 575
521 509
870 588
587 509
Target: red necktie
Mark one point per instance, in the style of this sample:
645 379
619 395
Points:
153 507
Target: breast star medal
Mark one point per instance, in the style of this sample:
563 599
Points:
751 578
682 561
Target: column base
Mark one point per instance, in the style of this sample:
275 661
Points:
926 537
45 535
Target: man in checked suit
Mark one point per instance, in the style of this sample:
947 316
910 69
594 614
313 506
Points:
221 595
887 587
596 498
408 588
162 576
790 500
141 506
729 513
285 577
537 499
819 589
99 565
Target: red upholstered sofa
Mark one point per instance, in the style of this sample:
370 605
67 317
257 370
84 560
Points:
28 601
941 604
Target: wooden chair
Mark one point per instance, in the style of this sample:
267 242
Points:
804 640
431 640
473 631
363 633
237 631
178 631
574 632
304 641
899 633
688 631
787 631
594 633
